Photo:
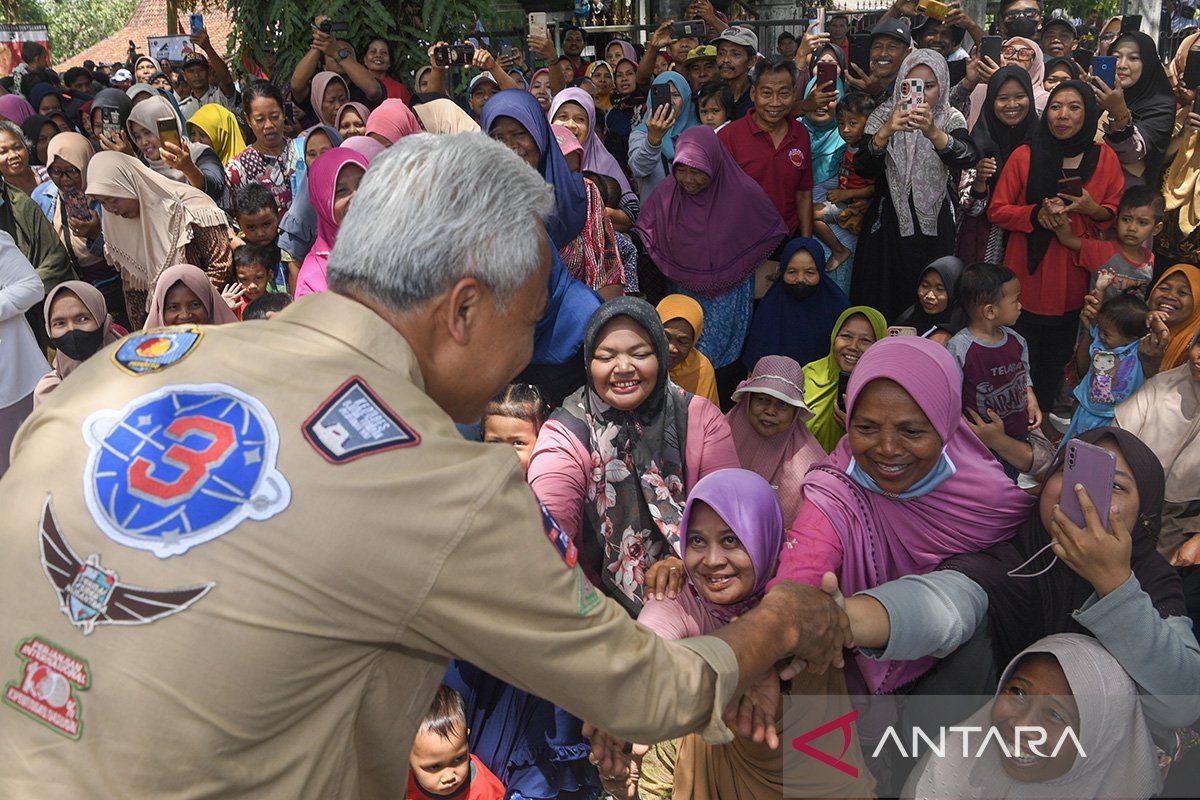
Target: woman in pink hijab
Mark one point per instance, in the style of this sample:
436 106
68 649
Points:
16 108
332 181
184 295
391 122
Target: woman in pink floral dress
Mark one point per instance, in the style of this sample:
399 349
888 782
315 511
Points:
615 463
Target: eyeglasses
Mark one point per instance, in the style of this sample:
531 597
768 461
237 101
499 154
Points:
1024 13
1019 53
58 174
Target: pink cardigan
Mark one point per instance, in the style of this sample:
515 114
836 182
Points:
810 549
560 470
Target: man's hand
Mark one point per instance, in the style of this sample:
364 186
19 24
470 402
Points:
829 586
483 60
824 627
661 37
611 756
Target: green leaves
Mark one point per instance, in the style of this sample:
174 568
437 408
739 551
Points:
76 25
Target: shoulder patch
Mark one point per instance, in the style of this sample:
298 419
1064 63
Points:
354 422
156 349
558 537
50 676
181 466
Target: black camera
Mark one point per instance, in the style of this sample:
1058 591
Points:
329 26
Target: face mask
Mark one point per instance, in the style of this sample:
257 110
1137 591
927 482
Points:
1023 27
78 345
801 291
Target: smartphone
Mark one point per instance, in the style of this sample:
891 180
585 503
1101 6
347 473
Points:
957 69
990 48
537 25
1105 68
197 23
1094 468
110 123
827 72
933 9
1191 70
902 330
453 55
1072 187
689 27
289 112
860 51
660 95
814 14
168 130
912 93
1131 23
843 384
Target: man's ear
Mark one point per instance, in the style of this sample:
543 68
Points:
462 309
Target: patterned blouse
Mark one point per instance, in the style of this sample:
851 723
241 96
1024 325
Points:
274 172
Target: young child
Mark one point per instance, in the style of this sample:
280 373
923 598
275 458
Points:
610 191
266 306
852 113
258 223
994 358
514 417
1109 363
253 271
714 103
441 764
1128 260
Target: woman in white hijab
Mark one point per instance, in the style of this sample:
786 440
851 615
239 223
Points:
187 162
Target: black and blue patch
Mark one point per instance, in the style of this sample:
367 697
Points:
353 423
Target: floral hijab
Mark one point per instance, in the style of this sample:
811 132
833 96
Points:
635 499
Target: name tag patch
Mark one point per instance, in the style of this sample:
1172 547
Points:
50 676
156 349
181 466
353 423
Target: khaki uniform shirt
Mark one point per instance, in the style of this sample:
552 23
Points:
236 561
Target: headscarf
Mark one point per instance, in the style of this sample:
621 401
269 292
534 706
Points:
783 458
145 246
695 373
320 83
687 113
365 145
603 102
417 77
948 269
445 116
633 511
711 242
1181 184
39 92
1165 415
595 157
994 138
393 120
219 312
221 127
65 117
914 169
322 186
747 504
76 109
93 299
32 128
826 142
631 103
1053 62
77 151
1121 762
146 114
821 379
112 99
627 51
884 538
15 108
1046 154
140 88
1036 72
1151 101
1178 62
559 334
569 196
1022 609
140 59
798 329
1183 333
363 112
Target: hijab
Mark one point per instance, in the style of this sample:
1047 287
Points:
1022 609
632 103
1181 184
111 99
363 112
569 196
15 108
603 102
1165 415
77 151
687 112
826 142
318 87
992 136
146 114
145 246
393 120
884 537
1151 101
711 242
140 88
32 128
783 458
1184 333
1037 72
595 157
445 116
914 169
322 188
365 145
627 51
38 93
219 312
821 379
695 373
798 329
1054 61
1121 762
951 319
221 127
633 518
93 299
747 504
1046 155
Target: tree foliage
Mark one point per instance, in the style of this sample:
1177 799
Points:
75 25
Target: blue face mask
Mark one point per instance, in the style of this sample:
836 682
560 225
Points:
941 472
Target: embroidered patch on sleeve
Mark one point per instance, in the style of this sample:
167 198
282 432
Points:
181 466
586 595
156 349
90 595
354 422
50 676
558 537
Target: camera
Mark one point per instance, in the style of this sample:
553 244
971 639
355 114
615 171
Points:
453 55
329 26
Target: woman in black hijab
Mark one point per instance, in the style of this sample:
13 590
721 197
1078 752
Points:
1141 110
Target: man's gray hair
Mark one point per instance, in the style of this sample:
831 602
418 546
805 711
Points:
432 210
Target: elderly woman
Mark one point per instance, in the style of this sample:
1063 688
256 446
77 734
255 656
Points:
77 324
16 165
270 160
189 162
24 362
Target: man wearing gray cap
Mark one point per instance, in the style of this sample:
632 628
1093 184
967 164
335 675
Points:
737 51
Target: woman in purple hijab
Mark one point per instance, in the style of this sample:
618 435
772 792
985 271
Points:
575 110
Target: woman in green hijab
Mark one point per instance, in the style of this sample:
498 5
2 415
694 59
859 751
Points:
825 379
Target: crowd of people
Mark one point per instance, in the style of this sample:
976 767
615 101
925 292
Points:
810 317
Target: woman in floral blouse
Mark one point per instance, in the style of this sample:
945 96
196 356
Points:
271 160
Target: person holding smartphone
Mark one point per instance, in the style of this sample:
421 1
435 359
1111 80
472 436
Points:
154 129
206 78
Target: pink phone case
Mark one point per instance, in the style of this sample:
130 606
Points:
1094 468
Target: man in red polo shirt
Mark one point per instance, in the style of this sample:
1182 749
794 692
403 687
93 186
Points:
772 147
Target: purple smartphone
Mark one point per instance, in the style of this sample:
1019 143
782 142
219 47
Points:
1094 468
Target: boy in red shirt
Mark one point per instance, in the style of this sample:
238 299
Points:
441 764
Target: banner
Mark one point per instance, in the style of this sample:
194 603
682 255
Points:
11 39
173 48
